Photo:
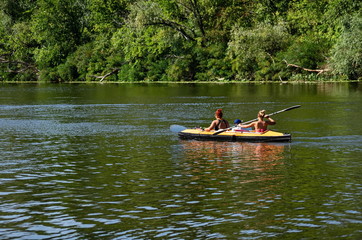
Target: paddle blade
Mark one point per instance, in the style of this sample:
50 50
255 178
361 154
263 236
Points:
177 128
293 107
284 110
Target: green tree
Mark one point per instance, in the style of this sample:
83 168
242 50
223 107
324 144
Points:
106 16
20 10
309 51
177 39
347 53
194 38
58 27
336 14
97 58
306 16
16 41
251 50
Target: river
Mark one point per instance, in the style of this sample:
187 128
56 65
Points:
98 161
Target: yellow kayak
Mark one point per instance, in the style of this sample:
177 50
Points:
236 136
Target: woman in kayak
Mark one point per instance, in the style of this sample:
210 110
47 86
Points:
260 125
219 123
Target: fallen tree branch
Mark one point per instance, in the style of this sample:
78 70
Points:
319 71
114 71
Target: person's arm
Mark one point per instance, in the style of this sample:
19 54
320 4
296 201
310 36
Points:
270 120
248 125
212 126
227 124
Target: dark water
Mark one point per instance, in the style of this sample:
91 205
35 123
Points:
99 162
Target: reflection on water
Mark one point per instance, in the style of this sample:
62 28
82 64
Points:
258 153
242 165
243 162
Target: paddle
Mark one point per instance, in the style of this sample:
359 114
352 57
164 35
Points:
177 128
255 119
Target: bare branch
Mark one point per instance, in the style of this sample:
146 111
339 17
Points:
198 16
319 71
114 71
174 56
176 26
24 65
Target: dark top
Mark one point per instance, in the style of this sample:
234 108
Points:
218 125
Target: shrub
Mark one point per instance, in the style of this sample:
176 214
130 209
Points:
347 52
250 50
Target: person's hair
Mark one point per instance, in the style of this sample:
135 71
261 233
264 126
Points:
261 113
218 113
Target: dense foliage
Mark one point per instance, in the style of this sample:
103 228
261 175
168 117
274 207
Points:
180 40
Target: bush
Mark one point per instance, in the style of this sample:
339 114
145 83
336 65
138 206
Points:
180 69
250 50
308 52
347 52
68 72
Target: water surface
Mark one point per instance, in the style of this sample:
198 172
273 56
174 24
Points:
93 161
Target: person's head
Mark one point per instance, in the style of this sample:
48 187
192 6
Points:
237 121
218 113
261 113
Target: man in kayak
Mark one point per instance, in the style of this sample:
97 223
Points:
219 123
260 125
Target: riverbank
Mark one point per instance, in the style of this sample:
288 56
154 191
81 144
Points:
181 82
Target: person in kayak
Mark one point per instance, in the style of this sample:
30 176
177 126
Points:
260 125
219 123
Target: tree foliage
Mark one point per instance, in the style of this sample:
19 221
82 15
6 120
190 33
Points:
178 40
253 50
346 56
